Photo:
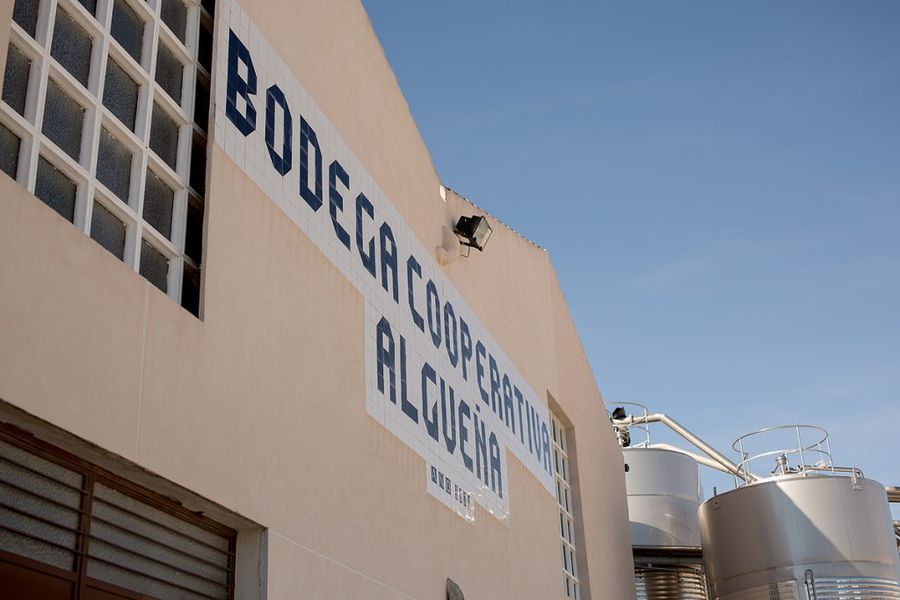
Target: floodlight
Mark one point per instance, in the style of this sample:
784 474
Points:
475 231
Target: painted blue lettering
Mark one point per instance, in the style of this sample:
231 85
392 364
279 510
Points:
520 400
464 414
239 86
413 266
481 457
451 341
448 428
389 260
281 161
408 407
465 346
528 419
429 415
336 202
496 399
536 430
479 371
308 138
368 258
509 415
496 475
385 344
433 311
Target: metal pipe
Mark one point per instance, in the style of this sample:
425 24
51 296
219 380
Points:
672 424
703 460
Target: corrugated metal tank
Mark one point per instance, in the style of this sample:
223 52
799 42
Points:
804 537
677 582
663 488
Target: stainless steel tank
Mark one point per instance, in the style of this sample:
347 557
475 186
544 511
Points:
801 536
663 488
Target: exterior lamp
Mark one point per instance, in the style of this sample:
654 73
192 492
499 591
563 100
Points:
475 231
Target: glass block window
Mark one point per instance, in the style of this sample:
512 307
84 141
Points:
9 151
174 15
80 531
72 46
89 5
25 13
158 202
164 136
63 120
120 94
564 498
114 165
154 265
169 72
108 230
104 116
15 79
127 28
55 189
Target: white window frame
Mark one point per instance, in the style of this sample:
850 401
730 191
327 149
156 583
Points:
34 144
562 476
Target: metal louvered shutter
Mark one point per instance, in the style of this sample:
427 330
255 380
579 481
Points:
70 529
40 520
136 546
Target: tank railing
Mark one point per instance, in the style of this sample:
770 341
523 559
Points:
693 439
855 473
804 453
644 428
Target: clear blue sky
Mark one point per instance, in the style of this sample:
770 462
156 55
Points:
717 183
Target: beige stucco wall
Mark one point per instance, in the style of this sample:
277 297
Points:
260 406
